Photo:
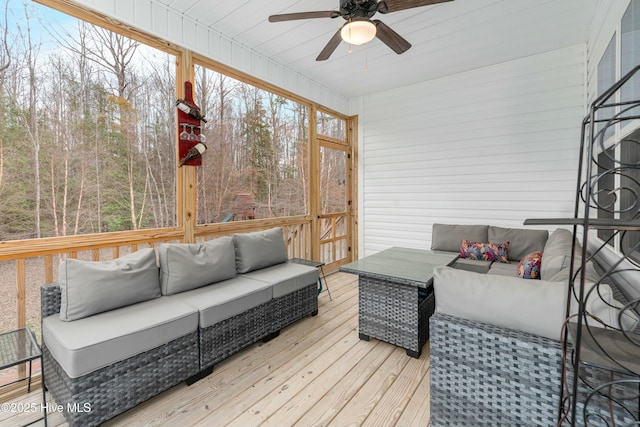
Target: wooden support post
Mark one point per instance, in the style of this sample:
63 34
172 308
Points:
314 183
352 189
21 279
186 176
21 284
48 269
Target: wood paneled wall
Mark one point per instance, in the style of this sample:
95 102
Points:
495 145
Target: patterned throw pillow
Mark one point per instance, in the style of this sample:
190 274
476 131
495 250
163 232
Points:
529 267
484 251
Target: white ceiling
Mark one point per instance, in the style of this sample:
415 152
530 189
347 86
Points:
446 38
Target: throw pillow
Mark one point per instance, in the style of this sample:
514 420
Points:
485 251
91 287
529 267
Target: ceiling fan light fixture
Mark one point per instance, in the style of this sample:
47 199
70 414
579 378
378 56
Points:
358 31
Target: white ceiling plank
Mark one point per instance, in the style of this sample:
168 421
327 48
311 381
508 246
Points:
447 38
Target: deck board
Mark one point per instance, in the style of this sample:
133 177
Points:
316 373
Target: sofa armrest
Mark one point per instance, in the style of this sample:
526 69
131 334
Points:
533 306
486 375
50 299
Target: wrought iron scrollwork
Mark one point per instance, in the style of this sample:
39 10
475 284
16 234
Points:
601 384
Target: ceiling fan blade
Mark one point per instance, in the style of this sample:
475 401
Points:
391 38
388 6
330 47
304 15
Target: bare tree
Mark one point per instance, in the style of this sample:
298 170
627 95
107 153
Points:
218 174
114 53
5 53
5 62
30 117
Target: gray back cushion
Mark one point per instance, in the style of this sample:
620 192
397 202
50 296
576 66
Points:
521 241
91 287
188 266
260 249
448 237
556 255
533 306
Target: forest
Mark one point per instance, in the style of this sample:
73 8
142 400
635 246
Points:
88 135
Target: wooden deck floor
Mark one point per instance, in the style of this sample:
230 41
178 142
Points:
316 373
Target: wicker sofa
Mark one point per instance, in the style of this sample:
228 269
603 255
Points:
496 357
115 333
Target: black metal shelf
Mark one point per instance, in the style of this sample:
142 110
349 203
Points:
601 378
596 223
607 349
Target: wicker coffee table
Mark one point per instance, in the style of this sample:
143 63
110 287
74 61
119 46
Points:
396 295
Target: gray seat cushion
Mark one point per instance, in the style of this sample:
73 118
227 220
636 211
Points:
503 269
521 241
479 266
448 237
286 277
226 299
88 344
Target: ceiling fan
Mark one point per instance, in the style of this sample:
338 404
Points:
360 28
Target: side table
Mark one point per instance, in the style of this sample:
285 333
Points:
18 347
316 264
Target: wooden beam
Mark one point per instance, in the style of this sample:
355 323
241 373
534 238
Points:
72 8
186 177
12 249
48 269
21 283
352 188
314 183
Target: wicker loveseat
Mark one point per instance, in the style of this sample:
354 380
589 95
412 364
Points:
495 349
115 333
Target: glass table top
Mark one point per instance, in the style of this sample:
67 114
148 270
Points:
413 266
17 347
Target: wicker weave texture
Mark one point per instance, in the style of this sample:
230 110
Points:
296 305
50 299
121 386
624 397
393 312
114 389
229 336
225 338
484 375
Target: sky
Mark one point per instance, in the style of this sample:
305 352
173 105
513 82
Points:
44 20
21 12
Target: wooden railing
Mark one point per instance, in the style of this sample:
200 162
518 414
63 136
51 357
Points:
27 264
334 239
